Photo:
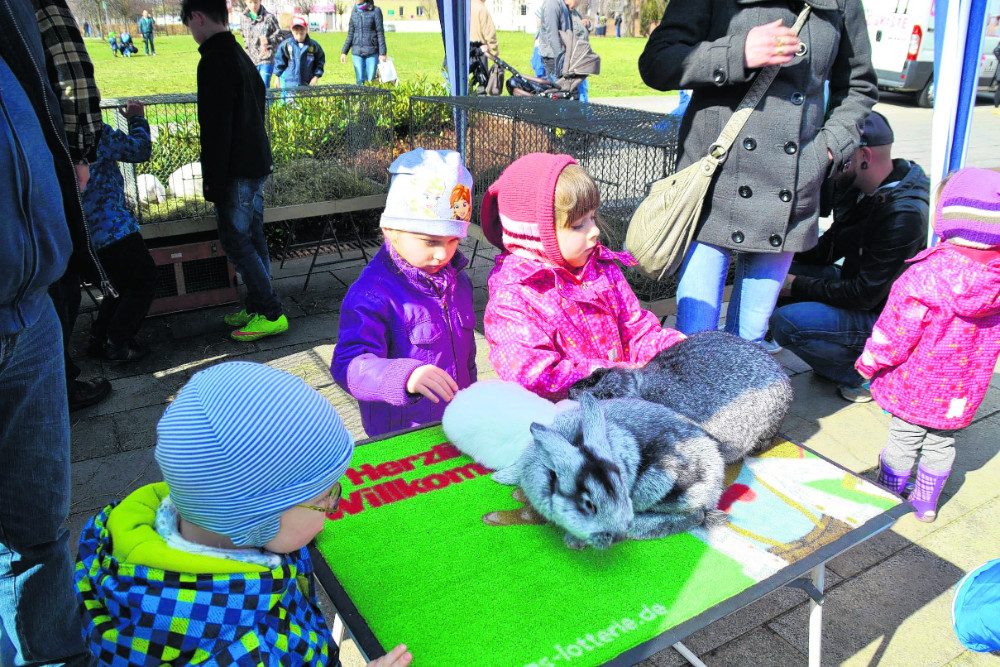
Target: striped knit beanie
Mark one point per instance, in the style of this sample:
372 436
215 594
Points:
518 212
242 443
968 208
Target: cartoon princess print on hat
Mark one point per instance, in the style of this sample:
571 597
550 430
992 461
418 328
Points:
461 203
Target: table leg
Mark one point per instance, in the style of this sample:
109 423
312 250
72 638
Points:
688 655
818 575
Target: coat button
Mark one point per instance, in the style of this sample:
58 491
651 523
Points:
803 49
749 143
718 76
737 237
745 191
798 99
785 196
775 240
791 148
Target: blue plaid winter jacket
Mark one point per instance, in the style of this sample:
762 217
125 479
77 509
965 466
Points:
231 613
108 213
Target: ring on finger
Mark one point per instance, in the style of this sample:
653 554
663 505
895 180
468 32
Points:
779 51
779 42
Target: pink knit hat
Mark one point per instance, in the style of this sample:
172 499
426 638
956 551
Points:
968 208
518 211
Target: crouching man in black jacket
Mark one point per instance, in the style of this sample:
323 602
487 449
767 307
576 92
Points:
879 221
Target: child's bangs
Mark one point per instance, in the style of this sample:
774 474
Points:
576 195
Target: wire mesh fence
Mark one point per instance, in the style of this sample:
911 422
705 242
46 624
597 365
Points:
623 149
329 143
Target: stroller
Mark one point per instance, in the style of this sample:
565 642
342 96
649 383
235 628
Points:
578 62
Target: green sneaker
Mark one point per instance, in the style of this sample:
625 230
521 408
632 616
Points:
238 319
259 327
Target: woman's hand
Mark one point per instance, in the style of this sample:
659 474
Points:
343 58
432 382
381 59
770 44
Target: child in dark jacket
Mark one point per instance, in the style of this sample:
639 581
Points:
406 342
299 60
114 232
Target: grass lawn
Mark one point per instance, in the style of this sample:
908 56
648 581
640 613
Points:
414 54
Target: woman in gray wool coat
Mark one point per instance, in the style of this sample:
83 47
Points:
764 202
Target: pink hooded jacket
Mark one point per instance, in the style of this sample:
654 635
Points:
548 328
933 350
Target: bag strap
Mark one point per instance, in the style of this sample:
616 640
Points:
753 97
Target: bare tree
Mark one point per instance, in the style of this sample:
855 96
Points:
339 8
305 7
430 8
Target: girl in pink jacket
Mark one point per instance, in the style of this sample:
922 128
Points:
559 306
933 350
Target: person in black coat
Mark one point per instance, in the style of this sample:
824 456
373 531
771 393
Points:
365 39
880 217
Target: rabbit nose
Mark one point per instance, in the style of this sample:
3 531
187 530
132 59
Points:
619 537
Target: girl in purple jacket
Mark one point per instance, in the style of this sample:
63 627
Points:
406 341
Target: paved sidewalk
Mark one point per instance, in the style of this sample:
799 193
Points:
888 600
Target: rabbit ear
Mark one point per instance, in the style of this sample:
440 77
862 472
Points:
595 427
555 452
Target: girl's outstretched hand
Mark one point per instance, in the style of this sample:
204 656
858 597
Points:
432 382
397 657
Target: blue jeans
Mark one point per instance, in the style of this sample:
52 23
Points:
759 277
147 42
39 617
266 70
364 68
829 339
241 232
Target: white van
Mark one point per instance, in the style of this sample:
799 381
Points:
902 38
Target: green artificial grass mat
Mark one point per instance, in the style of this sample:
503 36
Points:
411 549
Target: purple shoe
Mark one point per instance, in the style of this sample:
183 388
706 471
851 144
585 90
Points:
894 480
926 493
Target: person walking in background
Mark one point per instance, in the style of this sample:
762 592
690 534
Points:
299 60
235 162
618 25
556 16
146 25
996 80
933 350
481 27
765 197
261 35
115 234
880 215
113 43
365 40
86 29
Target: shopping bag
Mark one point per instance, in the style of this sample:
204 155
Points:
387 72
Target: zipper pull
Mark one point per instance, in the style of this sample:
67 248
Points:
107 289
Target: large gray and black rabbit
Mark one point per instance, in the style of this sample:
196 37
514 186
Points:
730 387
620 469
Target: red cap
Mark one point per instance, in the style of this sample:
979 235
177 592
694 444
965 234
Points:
300 22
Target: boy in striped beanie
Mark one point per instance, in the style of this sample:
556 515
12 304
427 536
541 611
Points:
932 352
212 563
559 306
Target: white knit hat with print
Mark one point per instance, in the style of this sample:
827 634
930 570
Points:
430 193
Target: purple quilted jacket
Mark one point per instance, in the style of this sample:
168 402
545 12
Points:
393 320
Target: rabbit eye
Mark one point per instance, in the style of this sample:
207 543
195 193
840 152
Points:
589 507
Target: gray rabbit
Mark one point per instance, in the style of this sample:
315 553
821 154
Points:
730 387
617 469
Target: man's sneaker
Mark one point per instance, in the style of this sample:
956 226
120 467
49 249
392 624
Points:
860 394
238 319
770 346
260 326
82 394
